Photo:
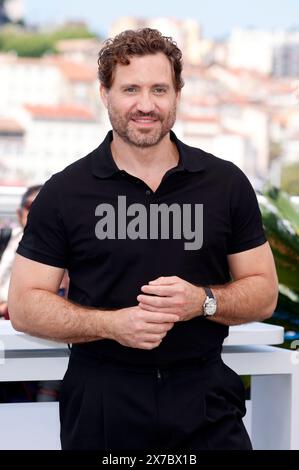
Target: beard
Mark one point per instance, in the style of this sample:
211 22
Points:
124 126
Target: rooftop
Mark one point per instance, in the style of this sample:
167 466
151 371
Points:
60 112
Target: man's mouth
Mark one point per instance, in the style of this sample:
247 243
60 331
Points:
144 120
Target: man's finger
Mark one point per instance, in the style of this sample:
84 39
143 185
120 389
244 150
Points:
158 317
164 280
159 328
155 301
159 290
157 309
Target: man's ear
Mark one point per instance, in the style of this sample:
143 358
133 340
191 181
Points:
104 95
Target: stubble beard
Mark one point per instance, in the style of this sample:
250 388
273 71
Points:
142 137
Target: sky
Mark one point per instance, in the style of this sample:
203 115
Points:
217 17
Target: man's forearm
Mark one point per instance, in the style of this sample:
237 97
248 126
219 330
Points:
252 298
244 300
50 316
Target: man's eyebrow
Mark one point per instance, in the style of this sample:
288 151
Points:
161 85
128 85
134 85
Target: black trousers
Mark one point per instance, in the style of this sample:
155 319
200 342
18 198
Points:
108 406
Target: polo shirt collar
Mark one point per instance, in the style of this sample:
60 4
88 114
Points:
103 164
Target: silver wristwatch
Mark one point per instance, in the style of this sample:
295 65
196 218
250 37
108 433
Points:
210 303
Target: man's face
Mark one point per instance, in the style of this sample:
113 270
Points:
142 100
24 211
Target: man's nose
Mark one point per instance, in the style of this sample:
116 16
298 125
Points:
145 103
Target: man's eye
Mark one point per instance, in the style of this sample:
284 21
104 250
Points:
159 90
131 89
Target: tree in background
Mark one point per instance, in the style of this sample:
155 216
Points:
290 178
35 44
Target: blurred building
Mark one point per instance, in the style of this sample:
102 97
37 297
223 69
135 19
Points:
12 137
250 49
50 115
79 50
238 101
286 54
44 139
10 197
48 80
187 33
274 53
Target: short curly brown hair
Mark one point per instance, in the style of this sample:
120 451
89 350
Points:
140 42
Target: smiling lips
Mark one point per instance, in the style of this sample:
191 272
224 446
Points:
145 120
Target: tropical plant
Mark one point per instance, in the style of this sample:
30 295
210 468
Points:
281 223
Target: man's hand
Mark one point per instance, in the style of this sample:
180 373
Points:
172 295
138 328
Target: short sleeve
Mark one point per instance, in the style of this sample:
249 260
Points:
45 239
246 221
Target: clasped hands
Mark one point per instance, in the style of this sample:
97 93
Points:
174 295
162 303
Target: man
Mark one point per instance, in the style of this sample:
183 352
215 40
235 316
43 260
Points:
165 248
12 242
22 390
44 390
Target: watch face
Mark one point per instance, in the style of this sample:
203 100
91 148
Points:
210 306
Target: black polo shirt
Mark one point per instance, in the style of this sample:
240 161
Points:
67 218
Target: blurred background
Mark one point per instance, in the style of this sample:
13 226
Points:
240 100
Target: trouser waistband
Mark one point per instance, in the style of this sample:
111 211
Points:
213 355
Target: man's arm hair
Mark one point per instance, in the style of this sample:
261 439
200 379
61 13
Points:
252 294
36 309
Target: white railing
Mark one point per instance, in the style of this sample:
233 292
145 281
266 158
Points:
249 350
